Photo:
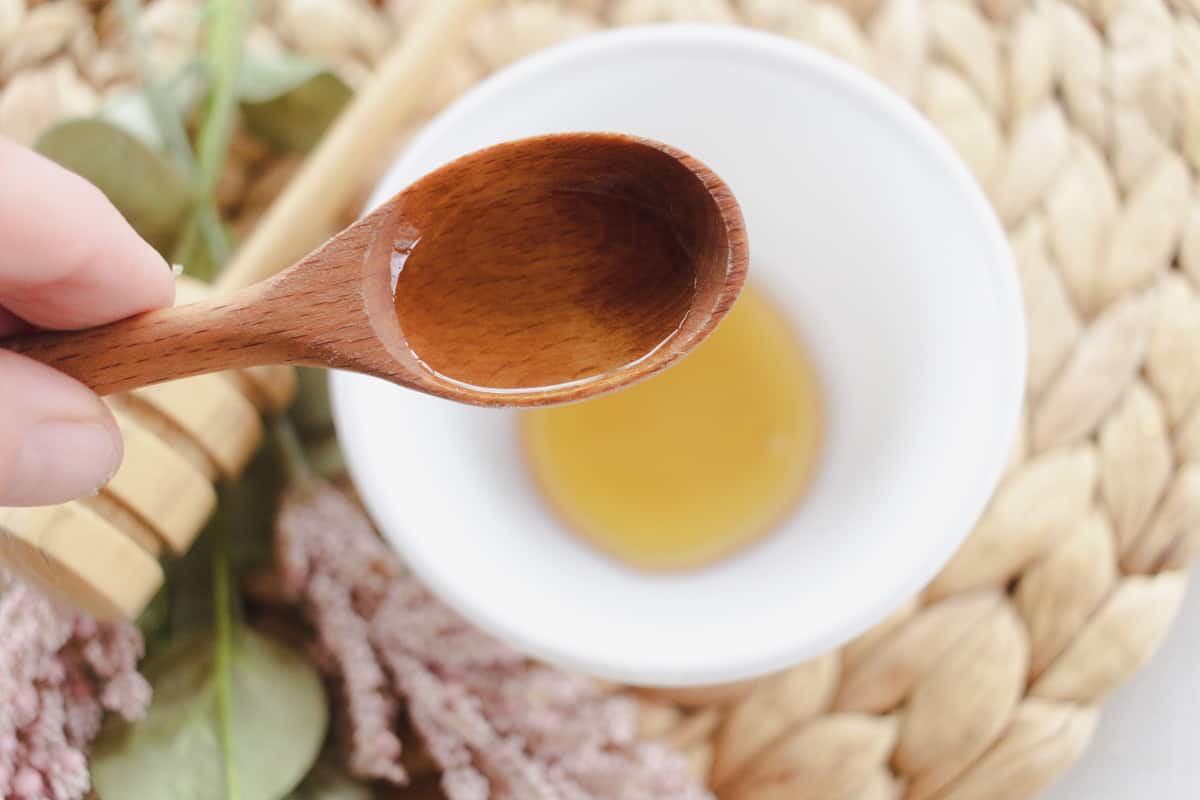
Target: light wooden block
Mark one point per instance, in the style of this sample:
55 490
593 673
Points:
161 487
79 558
213 415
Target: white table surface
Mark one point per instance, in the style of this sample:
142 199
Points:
1147 746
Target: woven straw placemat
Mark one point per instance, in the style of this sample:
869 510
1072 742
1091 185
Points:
1082 122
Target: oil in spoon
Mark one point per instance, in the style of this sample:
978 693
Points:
691 465
550 275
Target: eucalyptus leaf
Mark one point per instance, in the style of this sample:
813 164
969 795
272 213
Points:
130 111
279 721
133 112
140 181
187 89
289 102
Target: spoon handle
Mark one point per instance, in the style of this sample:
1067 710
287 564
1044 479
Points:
208 336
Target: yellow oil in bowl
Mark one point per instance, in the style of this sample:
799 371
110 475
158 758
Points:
693 464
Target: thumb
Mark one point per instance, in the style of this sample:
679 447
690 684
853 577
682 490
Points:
57 440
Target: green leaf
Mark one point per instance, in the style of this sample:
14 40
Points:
328 781
141 182
135 112
289 102
131 112
279 722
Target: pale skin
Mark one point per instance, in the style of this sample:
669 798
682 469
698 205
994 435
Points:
67 260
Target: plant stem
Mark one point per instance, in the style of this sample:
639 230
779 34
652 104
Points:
166 115
299 472
228 21
223 620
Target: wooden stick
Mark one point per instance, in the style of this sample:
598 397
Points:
304 214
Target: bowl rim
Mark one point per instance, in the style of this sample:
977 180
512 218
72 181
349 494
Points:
1009 369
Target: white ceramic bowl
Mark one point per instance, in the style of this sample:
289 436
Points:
868 230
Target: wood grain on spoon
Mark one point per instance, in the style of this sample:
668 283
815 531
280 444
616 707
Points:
532 272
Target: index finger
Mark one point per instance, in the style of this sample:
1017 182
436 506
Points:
68 259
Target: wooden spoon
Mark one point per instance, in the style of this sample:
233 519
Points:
532 272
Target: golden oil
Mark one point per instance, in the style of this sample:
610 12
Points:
689 466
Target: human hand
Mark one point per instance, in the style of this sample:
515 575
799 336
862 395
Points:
67 260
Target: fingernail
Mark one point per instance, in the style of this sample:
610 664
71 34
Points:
61 460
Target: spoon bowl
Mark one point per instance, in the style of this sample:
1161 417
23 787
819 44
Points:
557 267
532 272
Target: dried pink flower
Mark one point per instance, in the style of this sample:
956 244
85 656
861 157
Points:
340 577
60 671
499 725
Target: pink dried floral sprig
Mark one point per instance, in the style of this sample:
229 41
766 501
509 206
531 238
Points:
59 672
499 725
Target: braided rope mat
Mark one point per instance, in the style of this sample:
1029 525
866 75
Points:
1082 121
